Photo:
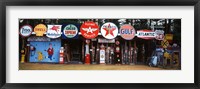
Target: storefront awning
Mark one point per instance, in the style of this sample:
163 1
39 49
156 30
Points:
35 38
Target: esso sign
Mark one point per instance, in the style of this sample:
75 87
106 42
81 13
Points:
26 30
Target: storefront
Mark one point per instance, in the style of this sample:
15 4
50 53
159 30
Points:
88 43
72 43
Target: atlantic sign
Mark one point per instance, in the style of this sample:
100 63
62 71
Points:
146 34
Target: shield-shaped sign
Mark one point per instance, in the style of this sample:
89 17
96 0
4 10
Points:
54 31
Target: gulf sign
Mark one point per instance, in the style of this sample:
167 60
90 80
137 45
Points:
127 32
146 34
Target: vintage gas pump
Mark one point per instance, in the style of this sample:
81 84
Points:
93 55
102 54
23 53
135 51
61 61
107 55
117 52
111 55
87 53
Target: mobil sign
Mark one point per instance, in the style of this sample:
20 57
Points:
146 34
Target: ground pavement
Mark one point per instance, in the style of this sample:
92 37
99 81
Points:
46 66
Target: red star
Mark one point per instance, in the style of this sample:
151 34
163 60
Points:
109 30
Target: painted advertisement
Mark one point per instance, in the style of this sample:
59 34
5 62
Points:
45 51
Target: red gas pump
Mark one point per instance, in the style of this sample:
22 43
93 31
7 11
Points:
61 61
87 54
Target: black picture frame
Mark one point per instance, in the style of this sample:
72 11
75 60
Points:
4 3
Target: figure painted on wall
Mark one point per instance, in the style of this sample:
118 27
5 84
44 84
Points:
32 49
50 51
40 56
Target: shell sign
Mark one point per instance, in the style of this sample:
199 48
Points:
40 29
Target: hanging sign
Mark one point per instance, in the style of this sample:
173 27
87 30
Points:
89 30
35 38
40 29
159 35
109 30
164 43
70 31
127 32
106 40
169 36
26 30
117 42
146 34
54 31
87 41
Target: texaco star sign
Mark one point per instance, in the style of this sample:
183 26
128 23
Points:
109 30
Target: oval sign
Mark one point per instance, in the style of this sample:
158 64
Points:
127 32
109 30
26 30
70 31
89 30
146 34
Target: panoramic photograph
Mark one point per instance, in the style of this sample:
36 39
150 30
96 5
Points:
100 44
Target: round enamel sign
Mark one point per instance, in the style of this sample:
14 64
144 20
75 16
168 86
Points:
89 30
127 32
109 30
26 30
70 31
